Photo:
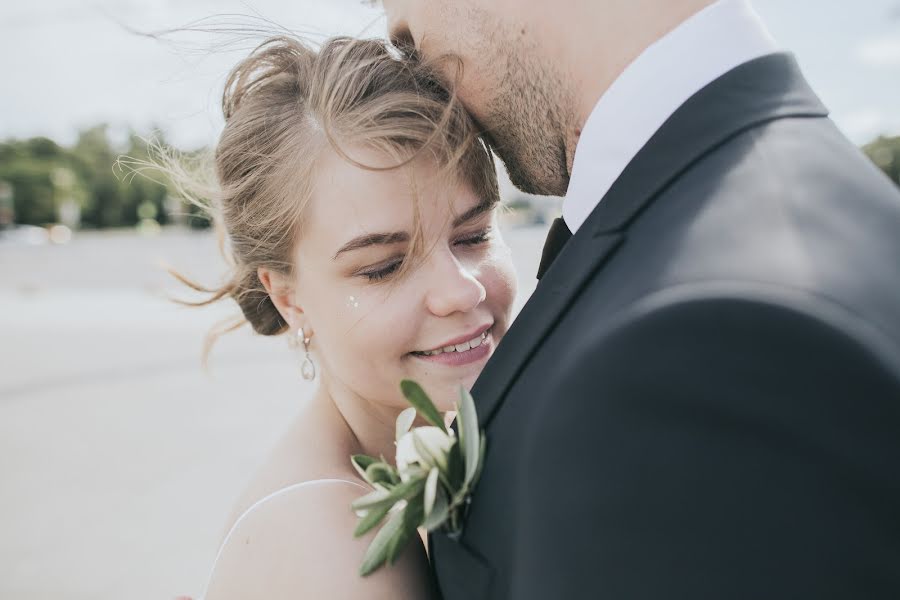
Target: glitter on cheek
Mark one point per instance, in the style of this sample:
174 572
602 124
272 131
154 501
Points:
352 302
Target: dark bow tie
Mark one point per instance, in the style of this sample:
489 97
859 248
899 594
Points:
557 237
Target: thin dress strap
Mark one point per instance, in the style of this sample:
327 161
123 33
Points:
262 500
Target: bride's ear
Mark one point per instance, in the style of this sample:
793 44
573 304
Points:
282 294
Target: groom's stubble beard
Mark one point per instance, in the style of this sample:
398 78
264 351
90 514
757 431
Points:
529 119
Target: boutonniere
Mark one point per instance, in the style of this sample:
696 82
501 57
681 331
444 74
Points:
432 483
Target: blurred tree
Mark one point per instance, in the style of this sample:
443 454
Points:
45 176
93 158
29 167
43 148
7 209
32 191
885 153
143 191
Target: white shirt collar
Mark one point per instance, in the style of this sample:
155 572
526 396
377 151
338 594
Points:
715 40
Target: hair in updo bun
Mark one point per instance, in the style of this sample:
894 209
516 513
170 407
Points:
283 105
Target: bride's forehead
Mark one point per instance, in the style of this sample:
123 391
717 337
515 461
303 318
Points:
370 212
372 196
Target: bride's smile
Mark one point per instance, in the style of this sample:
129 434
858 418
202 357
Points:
468 346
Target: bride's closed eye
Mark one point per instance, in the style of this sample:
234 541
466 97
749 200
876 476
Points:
481 237
476 239
382 273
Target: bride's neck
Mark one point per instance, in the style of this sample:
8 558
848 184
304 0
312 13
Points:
368 427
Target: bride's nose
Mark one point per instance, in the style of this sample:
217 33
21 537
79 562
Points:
452 287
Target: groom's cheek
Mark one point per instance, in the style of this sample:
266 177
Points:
463 30
434 27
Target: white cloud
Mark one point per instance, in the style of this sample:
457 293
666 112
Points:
865 124
880 52
861 124
71 63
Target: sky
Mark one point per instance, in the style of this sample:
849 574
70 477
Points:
68 64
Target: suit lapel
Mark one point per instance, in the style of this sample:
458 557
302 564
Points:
750 95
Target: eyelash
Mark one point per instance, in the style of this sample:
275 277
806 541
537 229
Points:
479 238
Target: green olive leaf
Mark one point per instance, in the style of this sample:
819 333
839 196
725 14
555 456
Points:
380 472
481 448
431 488
422 403
361 462
372 518
374 500
439 511
469 435
412 518
377 552
383 496
454 477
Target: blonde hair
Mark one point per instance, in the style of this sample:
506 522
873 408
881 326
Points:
284 105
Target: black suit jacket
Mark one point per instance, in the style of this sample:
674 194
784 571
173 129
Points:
702 397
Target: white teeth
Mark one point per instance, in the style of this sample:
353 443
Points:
473 343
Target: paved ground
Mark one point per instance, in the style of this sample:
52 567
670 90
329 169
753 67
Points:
117 452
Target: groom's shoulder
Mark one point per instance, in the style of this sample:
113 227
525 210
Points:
797 160
789 206
805 166
729 339
713 317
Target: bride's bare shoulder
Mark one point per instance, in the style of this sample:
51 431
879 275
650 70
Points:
298 543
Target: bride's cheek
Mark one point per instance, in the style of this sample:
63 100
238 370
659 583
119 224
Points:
502 286
500 266
352 302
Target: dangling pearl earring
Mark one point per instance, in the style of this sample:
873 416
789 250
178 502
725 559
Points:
307 369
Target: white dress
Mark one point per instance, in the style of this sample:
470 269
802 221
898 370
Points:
262 501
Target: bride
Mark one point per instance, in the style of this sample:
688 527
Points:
359 205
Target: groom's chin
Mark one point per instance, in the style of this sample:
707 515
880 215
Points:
537 186
538 177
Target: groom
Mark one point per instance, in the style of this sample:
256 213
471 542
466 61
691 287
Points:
701 399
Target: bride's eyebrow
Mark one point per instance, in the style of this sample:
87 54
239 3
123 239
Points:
383 239
473 213
372 239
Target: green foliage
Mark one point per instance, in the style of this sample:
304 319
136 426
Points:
885 153
419 400
31 167
44 175
33 193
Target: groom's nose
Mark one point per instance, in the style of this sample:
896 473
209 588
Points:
452 286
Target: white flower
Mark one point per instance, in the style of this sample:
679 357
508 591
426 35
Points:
435 445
